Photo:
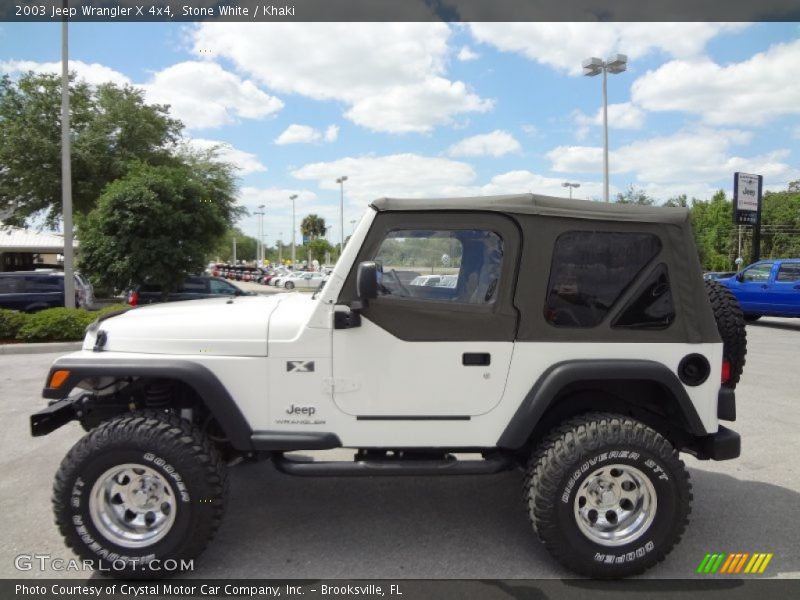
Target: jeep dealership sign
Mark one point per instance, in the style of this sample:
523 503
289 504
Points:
747 198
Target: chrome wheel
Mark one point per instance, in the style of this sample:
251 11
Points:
615 505
132 505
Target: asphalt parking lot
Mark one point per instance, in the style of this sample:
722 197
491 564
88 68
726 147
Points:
458 527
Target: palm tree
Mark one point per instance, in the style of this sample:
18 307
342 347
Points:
313 227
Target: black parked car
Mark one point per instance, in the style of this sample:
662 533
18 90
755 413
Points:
30 291
194 288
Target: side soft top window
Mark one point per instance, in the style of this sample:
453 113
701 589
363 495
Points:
458 266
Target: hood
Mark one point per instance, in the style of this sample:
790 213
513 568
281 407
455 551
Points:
214 326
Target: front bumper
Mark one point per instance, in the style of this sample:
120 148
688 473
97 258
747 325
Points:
54 416
723 445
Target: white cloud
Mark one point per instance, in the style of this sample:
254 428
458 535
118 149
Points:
331 133
531 130
678 161
751 92
304 134
298 134
466 54
496 143
204 95
398 175
246 162
201 94
92 73
620 116
564 46
390 76
521 181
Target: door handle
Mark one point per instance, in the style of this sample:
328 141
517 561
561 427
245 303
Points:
476 359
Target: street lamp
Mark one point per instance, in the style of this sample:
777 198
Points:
341 181
66 168
569 185
293 197
594 66
260 240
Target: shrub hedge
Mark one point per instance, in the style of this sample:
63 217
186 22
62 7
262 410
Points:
50 325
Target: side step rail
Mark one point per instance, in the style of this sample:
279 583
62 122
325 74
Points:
449 465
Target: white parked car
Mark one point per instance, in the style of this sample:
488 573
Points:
302 281
426 280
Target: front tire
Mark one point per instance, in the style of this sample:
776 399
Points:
141 487
607 495
289 285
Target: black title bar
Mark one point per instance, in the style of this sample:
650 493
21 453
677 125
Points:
399 10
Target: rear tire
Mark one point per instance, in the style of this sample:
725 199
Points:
289 285
731 326
607 495
142 487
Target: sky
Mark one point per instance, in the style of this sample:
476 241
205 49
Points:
436 110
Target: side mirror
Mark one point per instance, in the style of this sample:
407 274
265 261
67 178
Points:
740 276
367 280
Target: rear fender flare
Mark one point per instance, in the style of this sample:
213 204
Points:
545 391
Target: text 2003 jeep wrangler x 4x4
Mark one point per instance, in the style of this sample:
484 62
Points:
576 341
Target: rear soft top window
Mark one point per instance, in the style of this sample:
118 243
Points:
589 272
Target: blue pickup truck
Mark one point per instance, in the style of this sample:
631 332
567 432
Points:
768 288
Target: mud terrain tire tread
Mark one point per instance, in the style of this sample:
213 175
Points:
557 456
192 452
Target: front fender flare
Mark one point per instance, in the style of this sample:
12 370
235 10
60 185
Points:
208 387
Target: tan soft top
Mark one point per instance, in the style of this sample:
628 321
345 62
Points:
537 204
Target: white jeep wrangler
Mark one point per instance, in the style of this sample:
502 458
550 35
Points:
574 340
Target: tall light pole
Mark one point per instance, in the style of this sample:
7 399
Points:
341 181
260 240
280 249
293 197
569 185
66 168
594 66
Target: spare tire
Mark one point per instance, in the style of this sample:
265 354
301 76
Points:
731 326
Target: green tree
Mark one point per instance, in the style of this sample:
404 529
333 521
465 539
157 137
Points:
714 232
634 195
780 223
246 246
111 126
157 224
318 247
313 227
679 201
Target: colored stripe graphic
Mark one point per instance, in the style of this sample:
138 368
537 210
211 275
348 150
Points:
703 563
765 563
734 563
726 566
740 564
718 562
